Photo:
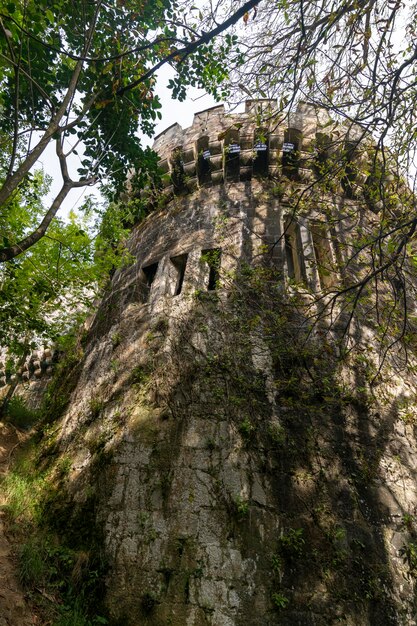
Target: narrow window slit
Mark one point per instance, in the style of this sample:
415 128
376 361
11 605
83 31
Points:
148 276
212 257
289 257
291 153
179 264
294 253
203 161
349 177
261 154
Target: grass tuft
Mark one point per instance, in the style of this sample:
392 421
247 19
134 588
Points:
20 415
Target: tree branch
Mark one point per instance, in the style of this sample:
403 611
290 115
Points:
12 182
24 244
192 47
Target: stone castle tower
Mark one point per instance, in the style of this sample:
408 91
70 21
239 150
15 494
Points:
239 467
221 205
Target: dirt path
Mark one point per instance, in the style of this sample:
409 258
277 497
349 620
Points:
13 608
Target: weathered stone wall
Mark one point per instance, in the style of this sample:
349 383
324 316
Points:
241 468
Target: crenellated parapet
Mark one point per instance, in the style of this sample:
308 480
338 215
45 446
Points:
231 147
39 364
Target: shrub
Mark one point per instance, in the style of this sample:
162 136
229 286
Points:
19 414
242 507
292 542
279 600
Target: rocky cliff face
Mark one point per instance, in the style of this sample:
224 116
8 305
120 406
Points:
238 465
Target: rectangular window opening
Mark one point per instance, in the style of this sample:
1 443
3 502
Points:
294 253
291 153
261 154
179 263
212 257
148 276
203 161
323 254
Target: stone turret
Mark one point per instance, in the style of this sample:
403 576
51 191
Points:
241 184
236 451
38 364
233 463
31 377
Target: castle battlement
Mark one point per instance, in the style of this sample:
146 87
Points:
260 142
38 364
232 184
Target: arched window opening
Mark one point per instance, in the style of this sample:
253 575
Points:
212 257
261 153
294 252
148 274
291 153
177 171
350 169
232 155
177 273
203 161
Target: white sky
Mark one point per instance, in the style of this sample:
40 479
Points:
172 111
